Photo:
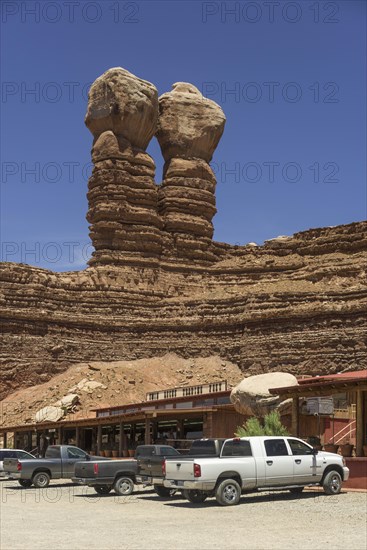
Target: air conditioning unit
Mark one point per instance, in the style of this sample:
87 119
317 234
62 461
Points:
320 405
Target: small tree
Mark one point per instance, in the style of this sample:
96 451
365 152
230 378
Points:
272 426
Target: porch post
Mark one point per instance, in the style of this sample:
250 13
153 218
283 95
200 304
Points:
147 431
121 439
359 423
99 439
5 435
295 416
77 436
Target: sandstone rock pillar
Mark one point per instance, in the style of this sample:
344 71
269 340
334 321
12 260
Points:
189 129
122 116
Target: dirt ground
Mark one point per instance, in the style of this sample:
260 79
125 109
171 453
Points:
65 516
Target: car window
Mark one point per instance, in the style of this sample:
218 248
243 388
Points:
168 451
299 448
74 452
237 448
53 452
23 455
276 447
8 454
202 448
144 451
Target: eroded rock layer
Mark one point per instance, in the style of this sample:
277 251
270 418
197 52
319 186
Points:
297 305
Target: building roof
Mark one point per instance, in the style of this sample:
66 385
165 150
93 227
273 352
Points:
325 385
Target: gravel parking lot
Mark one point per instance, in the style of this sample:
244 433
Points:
64 516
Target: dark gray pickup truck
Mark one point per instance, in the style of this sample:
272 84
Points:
150 462
59 463
121 475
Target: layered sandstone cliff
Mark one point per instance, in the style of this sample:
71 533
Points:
158 283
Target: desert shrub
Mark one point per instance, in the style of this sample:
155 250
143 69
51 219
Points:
272 425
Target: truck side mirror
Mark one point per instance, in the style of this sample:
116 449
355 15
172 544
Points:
315 451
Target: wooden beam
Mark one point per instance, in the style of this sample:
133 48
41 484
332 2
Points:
360 420
295 416
147 431
99 439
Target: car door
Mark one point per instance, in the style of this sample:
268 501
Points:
73 455
307 466
278 463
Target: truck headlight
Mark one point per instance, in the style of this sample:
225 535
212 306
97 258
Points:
344 461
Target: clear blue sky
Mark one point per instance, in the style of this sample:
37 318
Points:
297 71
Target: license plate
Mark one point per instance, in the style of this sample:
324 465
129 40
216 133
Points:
179 483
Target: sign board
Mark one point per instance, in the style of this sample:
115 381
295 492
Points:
320 405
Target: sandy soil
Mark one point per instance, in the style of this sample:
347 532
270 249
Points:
64 517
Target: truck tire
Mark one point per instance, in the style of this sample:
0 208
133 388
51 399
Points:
228 492
26 483
332 483
164 492
41 480
194 496
102 489
123 486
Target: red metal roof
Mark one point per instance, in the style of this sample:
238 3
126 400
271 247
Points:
358 374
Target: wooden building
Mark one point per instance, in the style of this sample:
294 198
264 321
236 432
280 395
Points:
176 416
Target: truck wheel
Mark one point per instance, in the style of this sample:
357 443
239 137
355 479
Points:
194 496
25 483
102 489
332 483
228 492
41 480
164 492
296 490
123 486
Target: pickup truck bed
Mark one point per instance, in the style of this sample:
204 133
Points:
119 475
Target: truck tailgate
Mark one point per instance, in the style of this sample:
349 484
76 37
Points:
10 465
180 469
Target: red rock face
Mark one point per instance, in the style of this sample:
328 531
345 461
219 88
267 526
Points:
159 283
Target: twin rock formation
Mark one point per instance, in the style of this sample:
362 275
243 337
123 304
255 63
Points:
132 219
157 282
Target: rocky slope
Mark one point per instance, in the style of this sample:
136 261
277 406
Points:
157 282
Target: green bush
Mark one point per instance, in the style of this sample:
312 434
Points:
272 426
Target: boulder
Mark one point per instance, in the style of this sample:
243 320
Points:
189 125
124 104
87 386
49 414
252 396
68 401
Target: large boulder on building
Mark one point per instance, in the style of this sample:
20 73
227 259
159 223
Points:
49 414
252 395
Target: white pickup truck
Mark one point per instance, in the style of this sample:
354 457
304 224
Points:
256 463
